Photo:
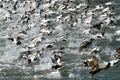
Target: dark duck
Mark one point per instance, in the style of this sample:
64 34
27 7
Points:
85 44
57 61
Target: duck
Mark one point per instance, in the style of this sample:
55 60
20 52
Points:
86 63
16 40
97 26
96 68
99 7
58 65
85 44
35 41
24 55
96 49
105 9
111 63
33 57
108 3
48 45
57 62
100 35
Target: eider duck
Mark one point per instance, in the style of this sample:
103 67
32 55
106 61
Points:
111 63
108 3
96 68
97 26
96 49
57 62
86 63
85 44
16 40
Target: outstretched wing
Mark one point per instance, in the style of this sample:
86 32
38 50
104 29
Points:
95 65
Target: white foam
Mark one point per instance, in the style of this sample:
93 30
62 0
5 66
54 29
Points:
117 32
10 54
38 76
45 64
38 24
118 39
54 75
71 75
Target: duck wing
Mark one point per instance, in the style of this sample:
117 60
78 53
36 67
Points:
95 63
95 66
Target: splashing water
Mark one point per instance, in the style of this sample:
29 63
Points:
65 24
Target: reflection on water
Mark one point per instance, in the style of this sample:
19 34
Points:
66 33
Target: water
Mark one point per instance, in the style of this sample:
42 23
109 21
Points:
42 15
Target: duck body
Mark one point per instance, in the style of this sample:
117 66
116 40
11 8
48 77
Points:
85 44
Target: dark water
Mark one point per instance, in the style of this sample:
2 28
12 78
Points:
72 69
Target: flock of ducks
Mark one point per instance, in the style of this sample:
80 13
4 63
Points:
21 36
93 62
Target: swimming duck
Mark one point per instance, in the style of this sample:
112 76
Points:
85 44
97 26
